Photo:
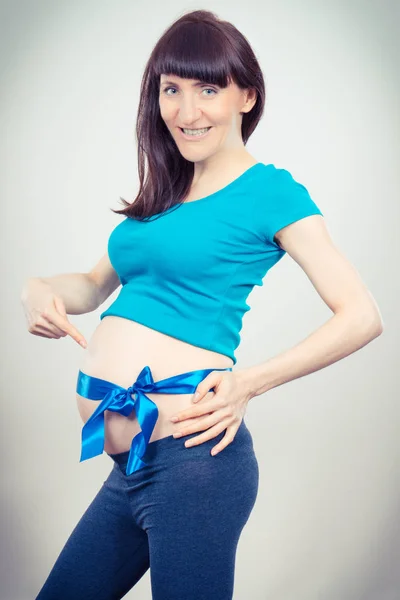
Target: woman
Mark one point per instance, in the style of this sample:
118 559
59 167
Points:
208 223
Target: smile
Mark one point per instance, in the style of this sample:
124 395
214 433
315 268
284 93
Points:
196 134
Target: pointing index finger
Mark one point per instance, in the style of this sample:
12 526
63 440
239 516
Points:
66 326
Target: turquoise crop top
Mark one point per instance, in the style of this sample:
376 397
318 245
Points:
188 272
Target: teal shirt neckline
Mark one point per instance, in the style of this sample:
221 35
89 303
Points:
226 188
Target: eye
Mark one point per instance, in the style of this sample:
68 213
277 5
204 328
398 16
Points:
211 90
204 90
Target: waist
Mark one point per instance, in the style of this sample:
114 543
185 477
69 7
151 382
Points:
124 400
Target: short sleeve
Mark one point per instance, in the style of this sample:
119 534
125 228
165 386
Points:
283 201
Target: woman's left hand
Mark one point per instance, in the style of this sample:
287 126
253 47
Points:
225 408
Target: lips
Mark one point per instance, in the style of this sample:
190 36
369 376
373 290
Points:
188 136
197 128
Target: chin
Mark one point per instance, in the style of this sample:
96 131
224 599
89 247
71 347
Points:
196 158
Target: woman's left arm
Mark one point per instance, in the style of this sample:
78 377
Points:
356 320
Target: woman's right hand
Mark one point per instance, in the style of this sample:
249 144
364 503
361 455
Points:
45 313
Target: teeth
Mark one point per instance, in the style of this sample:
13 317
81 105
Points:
195 131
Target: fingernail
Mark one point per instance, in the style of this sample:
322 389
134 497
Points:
196 396
174 419
82 343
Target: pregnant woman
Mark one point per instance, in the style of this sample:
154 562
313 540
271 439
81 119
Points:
208 222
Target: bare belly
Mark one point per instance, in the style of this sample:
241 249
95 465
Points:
117 351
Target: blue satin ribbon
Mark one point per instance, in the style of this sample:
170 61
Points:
119 399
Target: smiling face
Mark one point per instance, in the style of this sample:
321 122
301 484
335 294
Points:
192 104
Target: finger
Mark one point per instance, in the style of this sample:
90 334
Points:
45 331
47 326
199 424
211 433
226 440
208 420
62 323
207 384
202 408
42 332
65 325
205 398
39 334
209 395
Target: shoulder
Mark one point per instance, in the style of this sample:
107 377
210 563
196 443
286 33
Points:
280 188
282 200
278 178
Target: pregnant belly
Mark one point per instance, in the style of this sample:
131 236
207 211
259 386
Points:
117 351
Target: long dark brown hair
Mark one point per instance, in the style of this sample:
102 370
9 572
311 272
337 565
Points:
200 46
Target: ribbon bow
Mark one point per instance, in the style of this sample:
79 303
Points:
119 399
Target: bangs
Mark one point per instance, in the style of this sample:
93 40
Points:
194 51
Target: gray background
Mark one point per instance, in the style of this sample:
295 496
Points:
326 521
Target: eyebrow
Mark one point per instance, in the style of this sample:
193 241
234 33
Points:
197 84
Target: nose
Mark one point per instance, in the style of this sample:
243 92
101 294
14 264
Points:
189 112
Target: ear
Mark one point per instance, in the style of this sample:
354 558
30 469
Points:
250 96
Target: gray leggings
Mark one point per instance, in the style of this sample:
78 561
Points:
181 516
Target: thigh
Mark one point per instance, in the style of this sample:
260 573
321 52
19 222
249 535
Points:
106 553
205 504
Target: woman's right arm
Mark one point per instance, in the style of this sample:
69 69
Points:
52 298
84 292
